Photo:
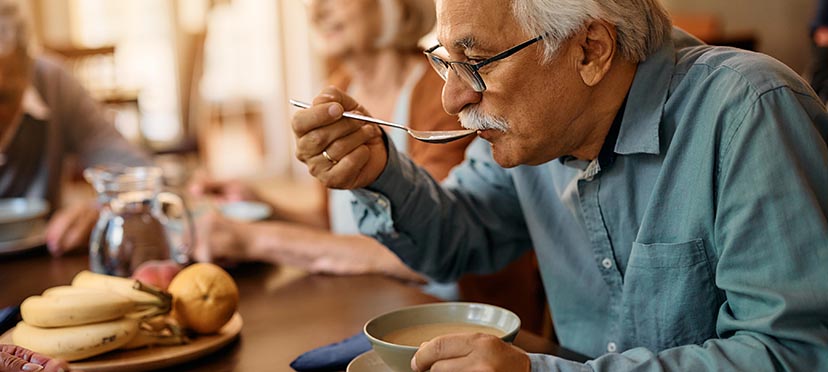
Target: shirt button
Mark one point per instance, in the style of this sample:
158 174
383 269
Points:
607 263
611 347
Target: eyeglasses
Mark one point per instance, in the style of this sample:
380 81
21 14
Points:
468 72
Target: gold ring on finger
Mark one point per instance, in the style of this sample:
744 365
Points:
330 159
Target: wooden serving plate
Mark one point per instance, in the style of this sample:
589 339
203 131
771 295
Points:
151 358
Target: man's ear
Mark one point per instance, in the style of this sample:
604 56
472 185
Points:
598 48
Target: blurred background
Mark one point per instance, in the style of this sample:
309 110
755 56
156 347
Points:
208 81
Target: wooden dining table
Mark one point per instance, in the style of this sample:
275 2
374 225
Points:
285 311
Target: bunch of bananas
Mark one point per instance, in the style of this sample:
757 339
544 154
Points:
96 314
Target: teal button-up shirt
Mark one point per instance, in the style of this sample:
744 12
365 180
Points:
702 245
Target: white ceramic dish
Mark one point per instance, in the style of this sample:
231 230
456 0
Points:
36 240
22 218
22 209
368 361
247 211
398 357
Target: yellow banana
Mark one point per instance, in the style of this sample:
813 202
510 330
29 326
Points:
123 286
70 309
78 342
68 290
146 338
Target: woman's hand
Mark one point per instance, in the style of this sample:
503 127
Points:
220 240
70 227
17 359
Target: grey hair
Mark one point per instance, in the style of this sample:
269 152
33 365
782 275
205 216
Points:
14 32
642 25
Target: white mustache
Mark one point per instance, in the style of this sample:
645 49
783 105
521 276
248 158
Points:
473 118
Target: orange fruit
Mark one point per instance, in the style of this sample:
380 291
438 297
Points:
205 297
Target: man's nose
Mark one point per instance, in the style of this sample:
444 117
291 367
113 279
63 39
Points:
457 94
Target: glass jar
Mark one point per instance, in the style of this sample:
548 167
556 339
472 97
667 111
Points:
138 221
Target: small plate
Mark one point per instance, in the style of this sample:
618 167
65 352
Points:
368 361
22 209
21 219
246 211
34 240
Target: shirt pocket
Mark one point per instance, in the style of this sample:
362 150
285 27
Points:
669 297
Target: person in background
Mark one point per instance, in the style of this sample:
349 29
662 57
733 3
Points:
676 193
44 115
819 36
374 45
17 359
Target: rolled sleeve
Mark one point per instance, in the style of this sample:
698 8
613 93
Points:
373 207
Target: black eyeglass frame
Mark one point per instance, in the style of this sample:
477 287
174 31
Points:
472 74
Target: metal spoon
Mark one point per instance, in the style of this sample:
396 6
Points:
430 136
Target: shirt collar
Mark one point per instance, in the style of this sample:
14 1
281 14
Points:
639 131
607 154
34 106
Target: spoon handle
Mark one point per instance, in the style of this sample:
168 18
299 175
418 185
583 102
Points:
352 115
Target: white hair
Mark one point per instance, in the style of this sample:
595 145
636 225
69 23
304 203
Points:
642 25
472 117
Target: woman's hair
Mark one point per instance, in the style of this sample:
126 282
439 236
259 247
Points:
405 22
14 33
642 25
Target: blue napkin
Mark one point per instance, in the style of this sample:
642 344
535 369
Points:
9 317
333 357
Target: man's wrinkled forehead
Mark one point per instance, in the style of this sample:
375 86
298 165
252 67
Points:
464 23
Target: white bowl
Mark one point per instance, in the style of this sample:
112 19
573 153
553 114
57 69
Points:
397 356
247 211
21 217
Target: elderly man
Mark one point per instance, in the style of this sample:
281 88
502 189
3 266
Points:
676 194
45 114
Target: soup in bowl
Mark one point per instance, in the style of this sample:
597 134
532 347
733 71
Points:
396 335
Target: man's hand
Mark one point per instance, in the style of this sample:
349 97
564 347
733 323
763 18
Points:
17 359
354 152
469 352
70 228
